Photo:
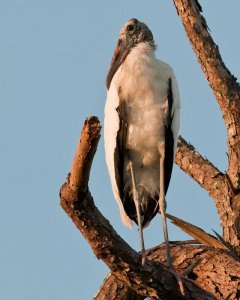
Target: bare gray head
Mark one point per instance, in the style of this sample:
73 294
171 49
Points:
132 33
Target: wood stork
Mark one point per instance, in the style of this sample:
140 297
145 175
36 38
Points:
140 128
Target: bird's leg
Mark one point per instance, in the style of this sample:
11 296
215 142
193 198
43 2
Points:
163 204
137 205
162 209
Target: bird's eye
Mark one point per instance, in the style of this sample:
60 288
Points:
130 27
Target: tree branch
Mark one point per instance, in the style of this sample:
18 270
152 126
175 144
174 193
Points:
113 289
222 82
201 170
217 185
227 92
209 273
153 280
86 148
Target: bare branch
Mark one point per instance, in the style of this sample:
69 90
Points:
218 186
86 149
200 169
153 280
222 82
209 273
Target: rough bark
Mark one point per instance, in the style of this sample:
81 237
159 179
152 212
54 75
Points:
210 273
227 92
153 280
112 288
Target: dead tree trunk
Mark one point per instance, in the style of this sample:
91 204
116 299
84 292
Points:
217 273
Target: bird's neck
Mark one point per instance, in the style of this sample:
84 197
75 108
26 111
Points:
142 56
141 50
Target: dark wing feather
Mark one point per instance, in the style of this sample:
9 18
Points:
169 140
119 155
119 152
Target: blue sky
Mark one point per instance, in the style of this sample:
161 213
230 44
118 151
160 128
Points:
54 57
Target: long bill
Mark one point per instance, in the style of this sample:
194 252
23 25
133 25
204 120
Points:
120 53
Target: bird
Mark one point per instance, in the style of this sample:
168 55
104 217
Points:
141 124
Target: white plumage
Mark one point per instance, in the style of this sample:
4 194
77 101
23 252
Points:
141 110
146 88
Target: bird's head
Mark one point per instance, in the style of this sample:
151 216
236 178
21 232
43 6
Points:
132 33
